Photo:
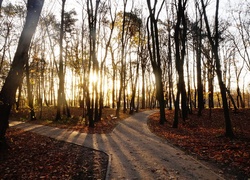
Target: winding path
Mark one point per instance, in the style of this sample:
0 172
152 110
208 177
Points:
135 152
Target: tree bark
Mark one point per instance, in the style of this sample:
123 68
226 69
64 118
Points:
215 49
122 79
170 70
180 36
93 101
198 60
30 96
154 52
60 72
15 76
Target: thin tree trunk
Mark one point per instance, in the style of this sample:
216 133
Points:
232 99
170 73
122 87
30 97
176 110
93 102
19 97
132 102
155 58
143 90
215 49
4 46
199 79
180 36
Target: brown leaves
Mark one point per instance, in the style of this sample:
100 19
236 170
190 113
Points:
37 157
203 137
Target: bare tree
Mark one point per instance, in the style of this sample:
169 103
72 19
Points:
214 42
92 100
198 48
61 99
107 45
122 79
154 52
180 43
15 76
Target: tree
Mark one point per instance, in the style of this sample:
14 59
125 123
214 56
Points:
122 79
29 91
61 99
134 31
92 100
180 43
197 30
214 42
242 24
15 75
8 26
238 71
144 62
154 52
104 10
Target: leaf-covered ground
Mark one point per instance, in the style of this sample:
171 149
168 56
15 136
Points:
203 137
32 156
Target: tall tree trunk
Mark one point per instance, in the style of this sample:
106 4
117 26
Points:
199 79
113 78
15 76
170 69
132 102
122 73
60 96
215 49
113 88
92 20
143 57
176 109
210 84
103 61
189 98
180 36
143 89
154 52
30 97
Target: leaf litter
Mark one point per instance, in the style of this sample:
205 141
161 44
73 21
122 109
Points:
33 156
203 137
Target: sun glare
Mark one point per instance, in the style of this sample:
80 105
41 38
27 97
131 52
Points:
93 77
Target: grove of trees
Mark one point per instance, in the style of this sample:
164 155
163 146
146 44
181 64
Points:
126 55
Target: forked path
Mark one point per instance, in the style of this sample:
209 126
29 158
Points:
135 152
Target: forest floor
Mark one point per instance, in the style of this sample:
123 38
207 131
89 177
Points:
203 137
32 156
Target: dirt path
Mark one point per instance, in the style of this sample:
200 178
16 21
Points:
135 152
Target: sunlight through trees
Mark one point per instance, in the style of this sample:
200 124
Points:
127 56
